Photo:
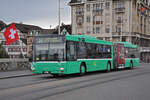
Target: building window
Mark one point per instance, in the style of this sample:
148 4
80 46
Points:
93 30
3 42
80 20
88 30
10 56
24 49
20 49
107 30
97 20
95 6
119 4
97 29
98 6
118 29
13 56
79 10
124 39
107 5
88 7
1 36
119 20
88 19
9 49
107 39
101 5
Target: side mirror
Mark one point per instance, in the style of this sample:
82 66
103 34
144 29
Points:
30 59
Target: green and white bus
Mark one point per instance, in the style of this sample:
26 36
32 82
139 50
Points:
70 54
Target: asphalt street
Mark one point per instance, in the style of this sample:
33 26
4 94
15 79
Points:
117 85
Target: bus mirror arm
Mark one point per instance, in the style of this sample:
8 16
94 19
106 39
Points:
30 59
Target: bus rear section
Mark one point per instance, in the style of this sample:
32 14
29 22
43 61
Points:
125 55
118 55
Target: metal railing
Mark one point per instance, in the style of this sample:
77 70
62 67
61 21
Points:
14 64
120 10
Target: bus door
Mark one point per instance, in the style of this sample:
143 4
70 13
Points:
71 53
118 55
121 55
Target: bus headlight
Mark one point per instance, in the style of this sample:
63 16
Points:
32 68
61 68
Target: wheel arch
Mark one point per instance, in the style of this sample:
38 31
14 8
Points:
109 62
84 64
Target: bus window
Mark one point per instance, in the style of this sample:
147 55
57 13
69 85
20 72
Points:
91 50
42 50
132 53
50 52
81 50
71 51
104 51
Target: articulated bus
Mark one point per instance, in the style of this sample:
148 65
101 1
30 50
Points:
70 54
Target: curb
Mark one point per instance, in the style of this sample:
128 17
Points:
15 76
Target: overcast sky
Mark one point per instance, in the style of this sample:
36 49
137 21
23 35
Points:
42 13
37 12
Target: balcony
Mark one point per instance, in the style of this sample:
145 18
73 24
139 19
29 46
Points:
75 2
116 34
80 13
79 23
119 21
98 22
120 10
80 20
144 49
98 11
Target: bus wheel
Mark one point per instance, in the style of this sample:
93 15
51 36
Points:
131 65
108 67
82 70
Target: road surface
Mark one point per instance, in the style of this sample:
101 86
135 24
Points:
118 85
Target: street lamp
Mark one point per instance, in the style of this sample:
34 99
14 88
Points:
59 17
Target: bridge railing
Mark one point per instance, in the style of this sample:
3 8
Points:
14 64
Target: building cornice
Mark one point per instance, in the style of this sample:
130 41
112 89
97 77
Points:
85 2
78 3
144 4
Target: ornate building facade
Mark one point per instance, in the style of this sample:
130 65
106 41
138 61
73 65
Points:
114 20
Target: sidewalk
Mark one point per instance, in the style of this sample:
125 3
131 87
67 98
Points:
13 74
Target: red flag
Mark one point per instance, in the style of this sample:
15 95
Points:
11 34
143 9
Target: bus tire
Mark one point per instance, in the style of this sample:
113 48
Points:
82 70
108 67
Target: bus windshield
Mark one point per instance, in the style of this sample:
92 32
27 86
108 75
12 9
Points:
50 49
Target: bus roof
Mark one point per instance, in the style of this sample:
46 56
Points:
128 44
89 39
86 38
